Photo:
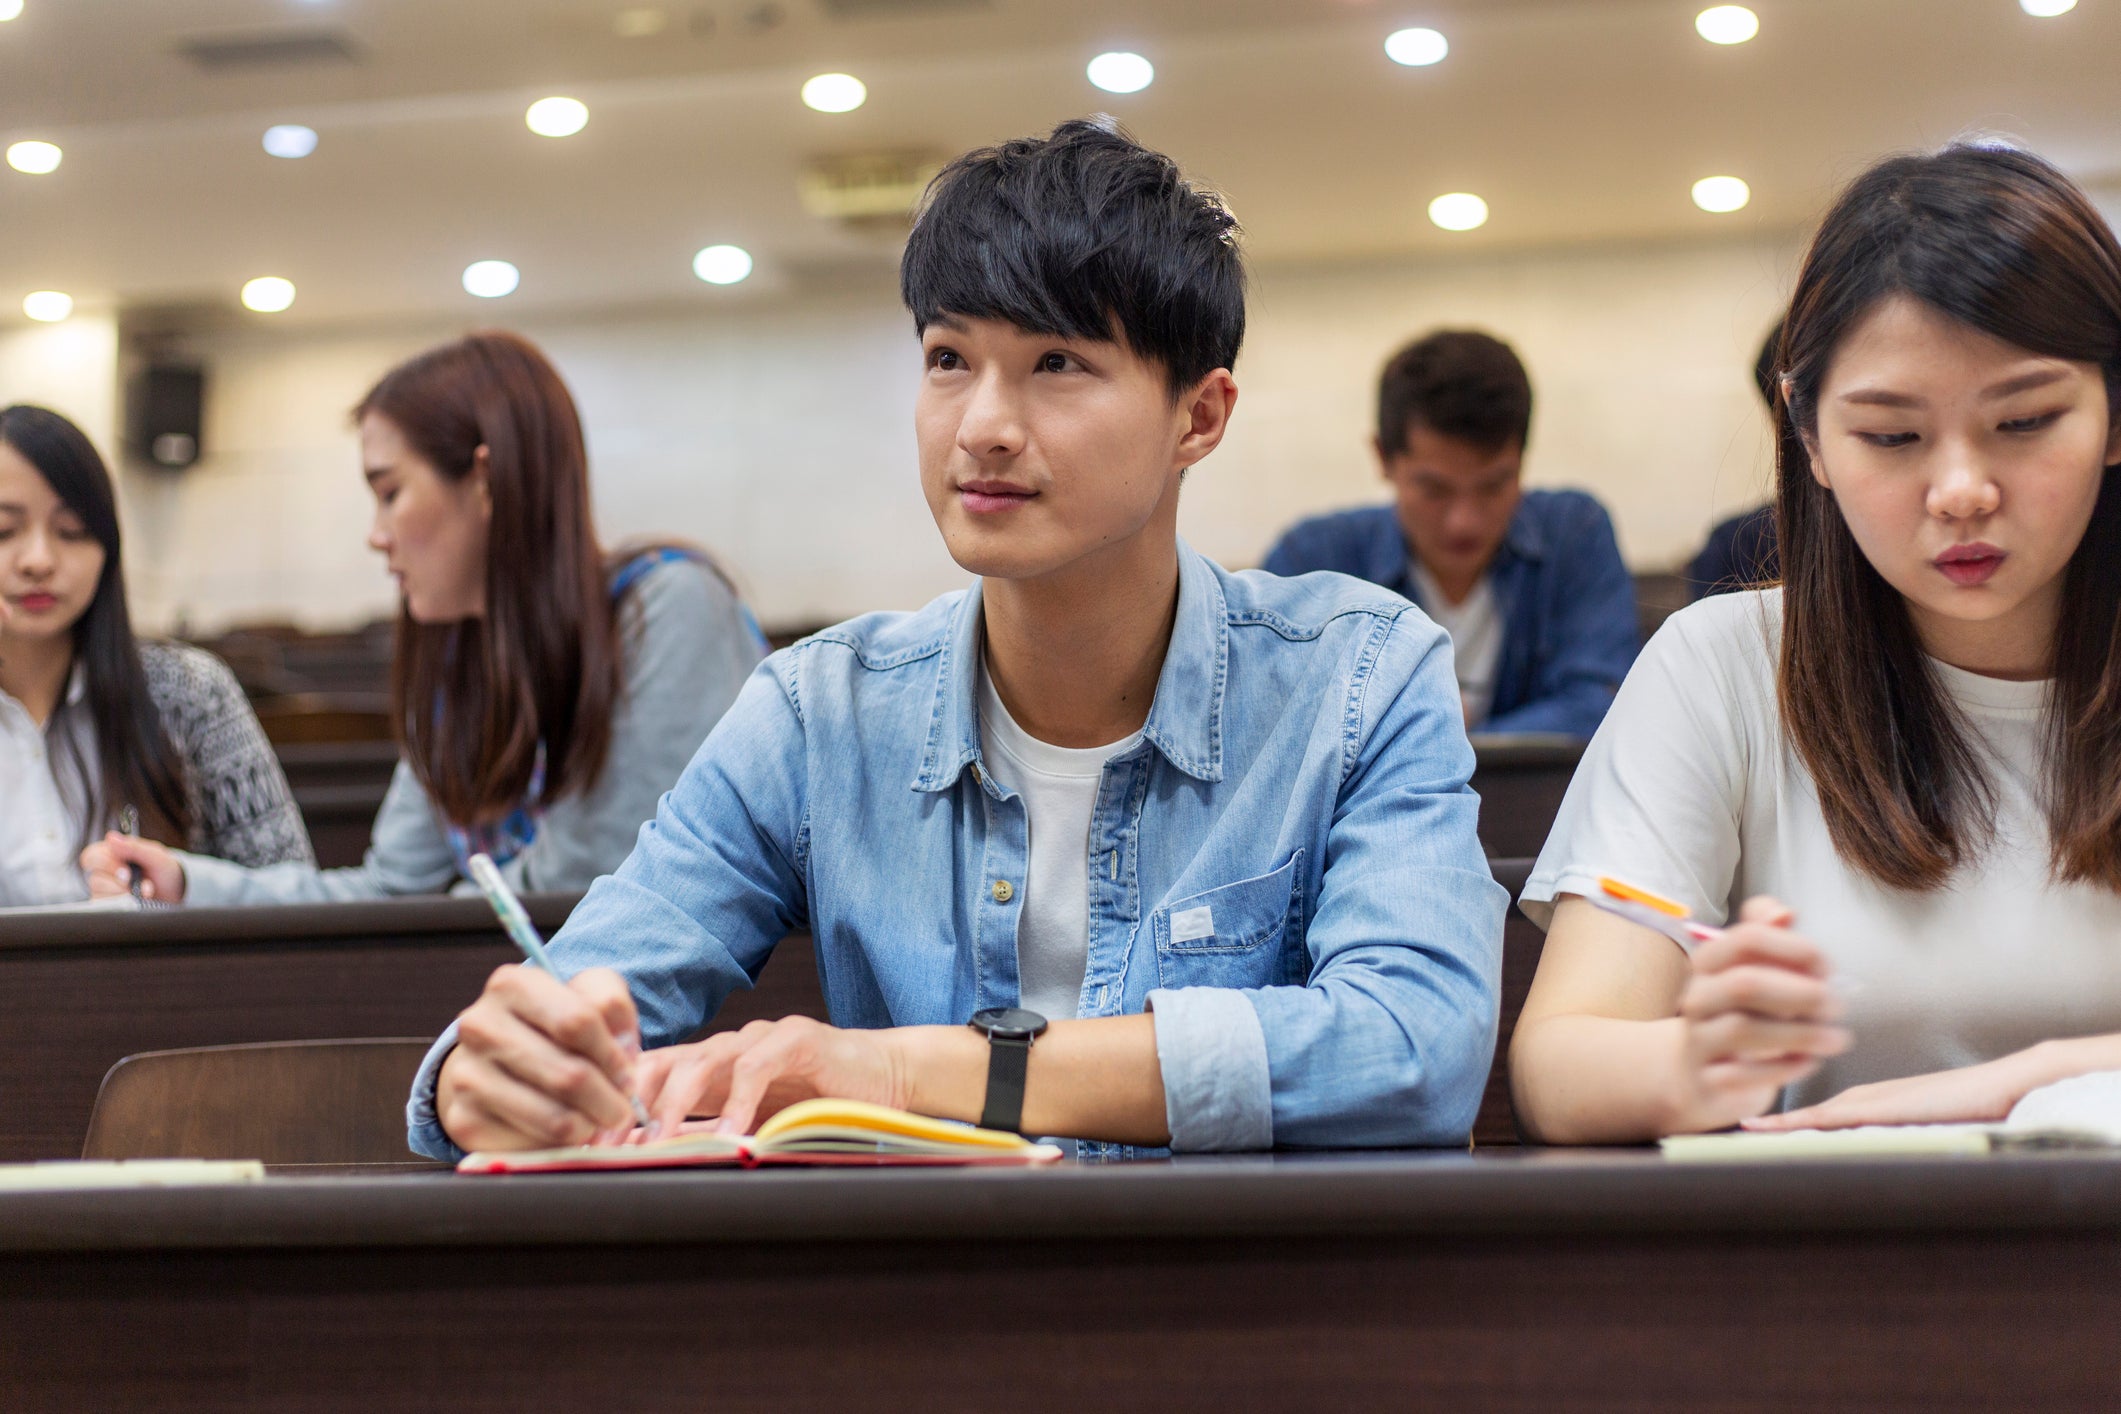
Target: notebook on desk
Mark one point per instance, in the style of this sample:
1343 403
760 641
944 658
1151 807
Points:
2080 1113
845 1132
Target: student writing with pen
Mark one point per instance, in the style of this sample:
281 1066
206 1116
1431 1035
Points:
1194 850
1902 767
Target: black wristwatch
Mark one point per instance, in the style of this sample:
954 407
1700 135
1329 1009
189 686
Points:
1009 1030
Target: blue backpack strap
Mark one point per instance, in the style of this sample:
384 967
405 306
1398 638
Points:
632 572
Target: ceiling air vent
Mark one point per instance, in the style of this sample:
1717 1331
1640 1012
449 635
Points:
895 9
278 50
873 188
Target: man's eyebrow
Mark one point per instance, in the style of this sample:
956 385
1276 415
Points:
950 322
15 507
377 473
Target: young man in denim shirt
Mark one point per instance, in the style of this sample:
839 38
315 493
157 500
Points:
1215 826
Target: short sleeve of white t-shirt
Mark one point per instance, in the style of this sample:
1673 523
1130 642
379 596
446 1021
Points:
1690 789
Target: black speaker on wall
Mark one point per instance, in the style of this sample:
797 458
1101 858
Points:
164 409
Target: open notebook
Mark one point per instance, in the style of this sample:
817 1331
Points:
2082 1112
812 1132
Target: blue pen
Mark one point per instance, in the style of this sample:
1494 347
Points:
516 923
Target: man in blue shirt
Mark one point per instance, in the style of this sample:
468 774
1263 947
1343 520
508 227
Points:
1529 584
1215 826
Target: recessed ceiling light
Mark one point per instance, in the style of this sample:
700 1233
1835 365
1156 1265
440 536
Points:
10 10
35 158
290 140
268 294
639 23
722 264
1727 24
1721 194
491 279
48 306
2047 9
557 117
1416 48
835 93
1121 72
1458 211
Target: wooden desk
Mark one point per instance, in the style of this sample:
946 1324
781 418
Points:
1545 1280
78 992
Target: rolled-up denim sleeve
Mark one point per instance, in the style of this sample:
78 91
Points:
713 882
1390 1041
423 1127
1218 1093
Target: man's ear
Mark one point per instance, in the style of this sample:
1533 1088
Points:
1208 410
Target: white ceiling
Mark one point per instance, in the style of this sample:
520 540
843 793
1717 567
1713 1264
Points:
1578 120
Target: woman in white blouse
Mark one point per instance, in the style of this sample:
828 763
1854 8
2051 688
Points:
1897 778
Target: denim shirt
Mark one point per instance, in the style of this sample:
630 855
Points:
1284 869
1570 626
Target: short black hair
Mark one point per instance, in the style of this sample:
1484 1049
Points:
1460 383
1074 234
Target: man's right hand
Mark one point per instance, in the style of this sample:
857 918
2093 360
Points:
541 1063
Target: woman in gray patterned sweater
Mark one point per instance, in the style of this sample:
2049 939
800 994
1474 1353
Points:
96 728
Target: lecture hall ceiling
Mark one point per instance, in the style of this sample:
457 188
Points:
1579 121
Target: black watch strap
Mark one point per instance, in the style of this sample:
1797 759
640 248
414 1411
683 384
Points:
1007 1060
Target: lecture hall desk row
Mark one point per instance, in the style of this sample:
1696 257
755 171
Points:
339 785
1523 1280
79 992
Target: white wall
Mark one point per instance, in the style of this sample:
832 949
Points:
71 368
779 431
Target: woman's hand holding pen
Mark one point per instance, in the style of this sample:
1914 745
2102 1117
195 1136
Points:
541 1063
1759 1014
113 862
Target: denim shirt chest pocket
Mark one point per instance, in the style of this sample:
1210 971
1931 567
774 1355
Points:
1246 934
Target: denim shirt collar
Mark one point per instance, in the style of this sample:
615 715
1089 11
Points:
1185 720
1389 562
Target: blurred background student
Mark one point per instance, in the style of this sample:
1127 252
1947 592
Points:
1529 584
544 692
97 729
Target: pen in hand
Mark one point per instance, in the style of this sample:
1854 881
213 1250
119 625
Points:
516 923
129 825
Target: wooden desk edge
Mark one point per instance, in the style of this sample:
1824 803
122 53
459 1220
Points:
1443 1196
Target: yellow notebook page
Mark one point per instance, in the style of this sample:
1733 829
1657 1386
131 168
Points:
862 1117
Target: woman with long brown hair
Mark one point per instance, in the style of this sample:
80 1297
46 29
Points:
1897 777
545 693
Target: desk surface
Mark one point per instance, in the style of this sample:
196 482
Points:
1512 1193
1538 1281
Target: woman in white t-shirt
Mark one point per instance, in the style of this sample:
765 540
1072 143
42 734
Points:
1897 777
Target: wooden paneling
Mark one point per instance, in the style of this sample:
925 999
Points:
79 992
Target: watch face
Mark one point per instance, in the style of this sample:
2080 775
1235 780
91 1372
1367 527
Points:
1009 1022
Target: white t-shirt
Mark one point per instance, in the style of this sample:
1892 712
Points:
1475 627
1059 788
1689 789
